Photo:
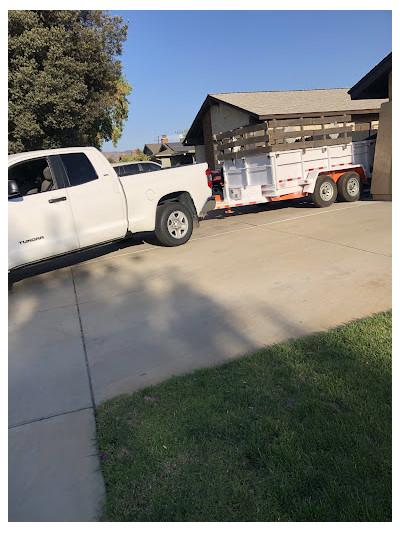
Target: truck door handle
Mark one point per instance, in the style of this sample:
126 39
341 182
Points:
54 200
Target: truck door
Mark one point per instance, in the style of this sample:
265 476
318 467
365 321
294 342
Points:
40 219
96 197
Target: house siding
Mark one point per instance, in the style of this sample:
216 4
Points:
217 119
200 154
225 118
208 140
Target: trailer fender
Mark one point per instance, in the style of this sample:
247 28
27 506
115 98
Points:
310 181
335 175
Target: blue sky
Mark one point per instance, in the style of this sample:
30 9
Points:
173 59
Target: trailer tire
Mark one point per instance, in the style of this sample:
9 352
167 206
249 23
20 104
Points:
174 224
349 186
325 192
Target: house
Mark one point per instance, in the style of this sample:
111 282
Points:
377 84
225 111
151 149
170 154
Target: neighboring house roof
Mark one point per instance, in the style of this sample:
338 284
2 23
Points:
179 147
153 148
170 149
263 105
375 84
166 153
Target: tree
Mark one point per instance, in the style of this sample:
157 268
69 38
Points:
119 109
183 134
66 86
139 156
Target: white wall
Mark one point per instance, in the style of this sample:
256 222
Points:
224 118
200 154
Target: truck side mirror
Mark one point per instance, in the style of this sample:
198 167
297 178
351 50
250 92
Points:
13 190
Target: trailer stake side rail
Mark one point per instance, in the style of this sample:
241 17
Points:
292 158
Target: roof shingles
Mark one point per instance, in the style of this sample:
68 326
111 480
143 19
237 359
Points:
267 103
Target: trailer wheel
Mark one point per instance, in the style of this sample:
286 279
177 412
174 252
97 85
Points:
349 186
325 192
174 224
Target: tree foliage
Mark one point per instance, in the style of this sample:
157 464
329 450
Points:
65 79
139 156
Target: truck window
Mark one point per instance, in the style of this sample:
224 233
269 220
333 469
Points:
149 167
128 170
78 168
32 176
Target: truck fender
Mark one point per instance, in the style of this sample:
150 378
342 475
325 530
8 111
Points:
184 198
310 181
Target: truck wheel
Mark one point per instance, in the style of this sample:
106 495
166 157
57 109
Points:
349 186
325 192
174 224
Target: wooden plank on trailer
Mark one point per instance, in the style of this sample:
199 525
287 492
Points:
242 142
310 144
253 151
327 120
311 121
364 126
250 129
308 133
244 153
227 156
240 131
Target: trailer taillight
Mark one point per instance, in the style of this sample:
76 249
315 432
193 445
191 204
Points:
209 182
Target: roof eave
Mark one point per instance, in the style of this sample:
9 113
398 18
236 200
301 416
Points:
190 138
374 76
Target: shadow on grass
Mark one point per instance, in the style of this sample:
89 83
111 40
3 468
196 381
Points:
296 432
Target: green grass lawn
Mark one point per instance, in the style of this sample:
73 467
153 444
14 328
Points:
300 431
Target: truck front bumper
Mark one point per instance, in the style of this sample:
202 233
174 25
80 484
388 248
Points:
208 206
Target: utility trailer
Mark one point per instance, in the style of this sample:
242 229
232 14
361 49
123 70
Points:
283 159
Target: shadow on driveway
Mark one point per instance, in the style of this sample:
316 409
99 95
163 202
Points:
80 256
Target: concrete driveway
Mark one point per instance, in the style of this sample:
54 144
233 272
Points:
85 328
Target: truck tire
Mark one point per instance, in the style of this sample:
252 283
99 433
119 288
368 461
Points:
325 192
349 186
174 224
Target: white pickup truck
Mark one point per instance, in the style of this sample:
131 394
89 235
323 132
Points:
66 199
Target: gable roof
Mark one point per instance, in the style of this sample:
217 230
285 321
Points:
178 147
169 149
152 147
263 105
269 103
